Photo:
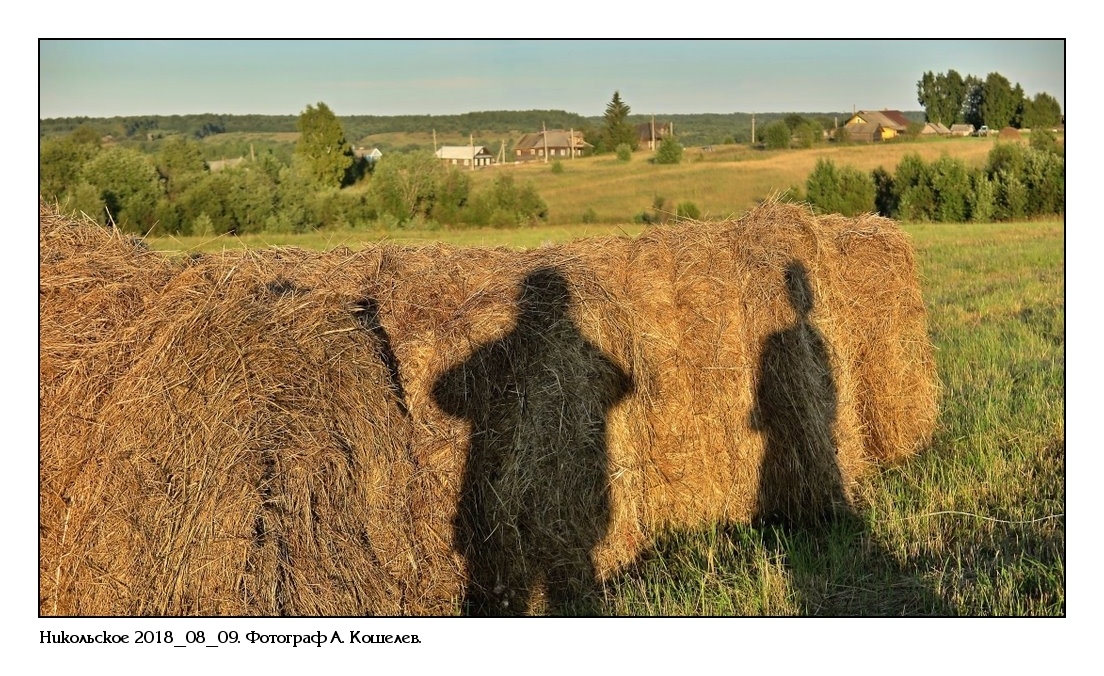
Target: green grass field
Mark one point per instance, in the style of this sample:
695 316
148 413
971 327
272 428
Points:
973 526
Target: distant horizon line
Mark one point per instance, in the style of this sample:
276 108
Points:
476 112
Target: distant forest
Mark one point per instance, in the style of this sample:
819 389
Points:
691 129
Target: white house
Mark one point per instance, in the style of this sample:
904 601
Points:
465 156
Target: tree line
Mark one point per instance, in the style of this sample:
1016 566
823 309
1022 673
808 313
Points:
1017 182
994 101
174 190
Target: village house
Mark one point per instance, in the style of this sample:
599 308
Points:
465 156
934 129
962 130
554 143
370 155
651 134
875 125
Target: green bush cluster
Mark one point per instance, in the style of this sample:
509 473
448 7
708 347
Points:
1017 182
174 191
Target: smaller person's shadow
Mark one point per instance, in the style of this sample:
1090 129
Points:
802 507
534 496
795 408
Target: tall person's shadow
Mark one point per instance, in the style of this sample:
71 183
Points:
534 496
802 506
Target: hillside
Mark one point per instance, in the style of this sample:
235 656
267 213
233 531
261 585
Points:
398 132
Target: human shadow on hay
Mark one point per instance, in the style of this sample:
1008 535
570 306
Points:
802 508
803 519
795 409
534 499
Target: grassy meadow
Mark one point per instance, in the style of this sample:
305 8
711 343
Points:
973 525
723 183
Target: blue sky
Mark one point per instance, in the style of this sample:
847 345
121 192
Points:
100 78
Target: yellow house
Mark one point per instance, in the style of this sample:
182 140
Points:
876 125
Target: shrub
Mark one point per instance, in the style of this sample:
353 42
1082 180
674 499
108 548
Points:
777 135
557 167
886 199
915 196
669 152
590 215
624 152
951 187
846 191
982 198
687 211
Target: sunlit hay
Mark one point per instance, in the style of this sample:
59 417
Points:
413 430
683 319
245 452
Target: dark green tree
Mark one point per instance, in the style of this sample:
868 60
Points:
822 187
846 191
617 129
885 193
128 187
915 196
1041 112
60 160
669 152
179 162
777 135
971 108
943 96
950 182
1000 101
326 157
405 185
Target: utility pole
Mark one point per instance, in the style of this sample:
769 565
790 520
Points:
753 130
571 141
653 133
434 141
471 145
544 135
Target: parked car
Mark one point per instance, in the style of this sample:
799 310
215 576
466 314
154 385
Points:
982 131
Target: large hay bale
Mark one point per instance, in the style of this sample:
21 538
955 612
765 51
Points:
228 445
576 400
504 429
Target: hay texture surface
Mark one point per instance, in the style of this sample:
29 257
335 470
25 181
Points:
429 430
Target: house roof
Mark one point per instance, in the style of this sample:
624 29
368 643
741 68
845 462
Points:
890 119
862 129
662 129
962 127
897 117
461 152
934 128
557 138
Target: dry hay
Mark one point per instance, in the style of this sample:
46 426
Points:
215 441
573 401
534 419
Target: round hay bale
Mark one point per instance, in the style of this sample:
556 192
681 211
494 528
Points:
737 402
245 454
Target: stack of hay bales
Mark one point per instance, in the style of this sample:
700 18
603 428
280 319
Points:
401 429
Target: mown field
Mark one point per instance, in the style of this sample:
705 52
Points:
601 195
973 526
